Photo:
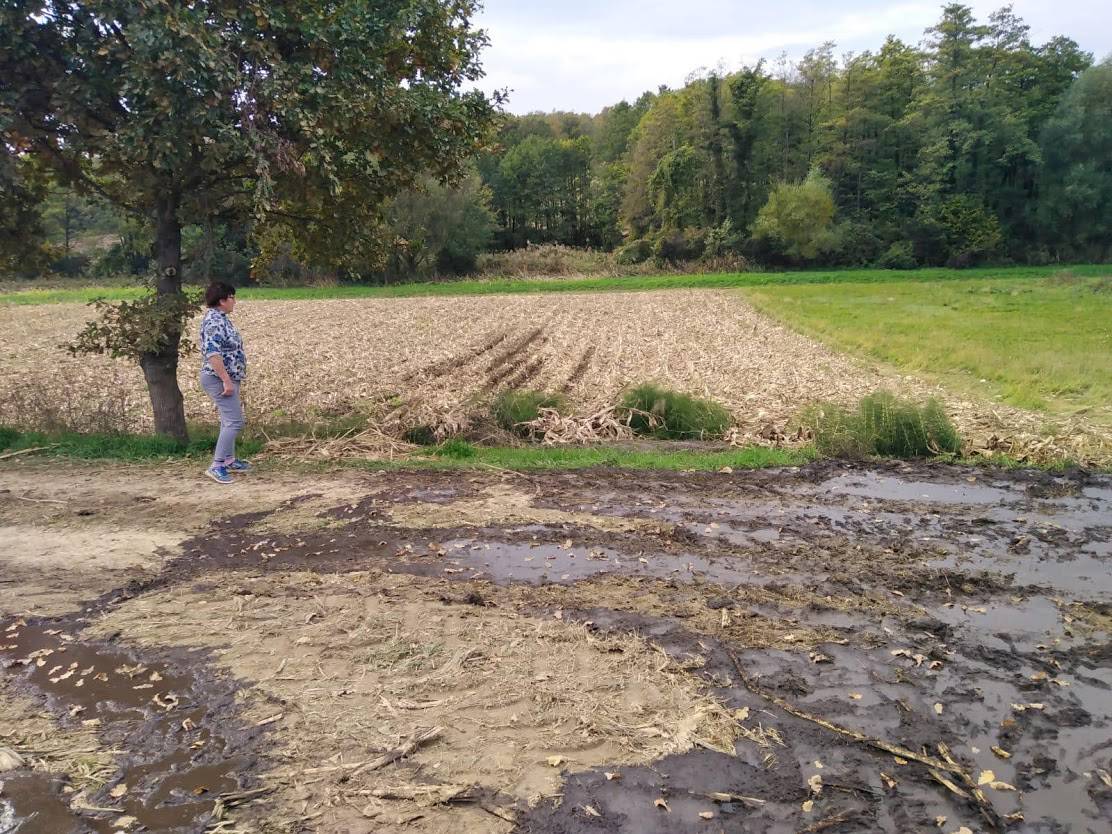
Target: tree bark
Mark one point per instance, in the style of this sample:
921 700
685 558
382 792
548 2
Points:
161 368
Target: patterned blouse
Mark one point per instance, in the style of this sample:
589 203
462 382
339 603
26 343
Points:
219 336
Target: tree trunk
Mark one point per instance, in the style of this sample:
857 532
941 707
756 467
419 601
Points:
67 222
161 368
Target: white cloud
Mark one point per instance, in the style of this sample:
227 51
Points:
583 57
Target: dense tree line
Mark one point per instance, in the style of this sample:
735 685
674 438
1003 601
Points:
974 146
977 145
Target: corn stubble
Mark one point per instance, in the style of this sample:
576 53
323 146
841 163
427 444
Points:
439 363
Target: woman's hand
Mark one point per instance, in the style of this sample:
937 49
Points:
216 362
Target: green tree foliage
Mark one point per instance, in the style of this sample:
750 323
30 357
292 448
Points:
797 219
308 115
746 186
934 154
438 228
872 139
975 145
70 217
24 250
661 131
959 228
678 189
542 191
1076 204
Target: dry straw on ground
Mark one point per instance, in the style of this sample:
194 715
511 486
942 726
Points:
30 733
437 362
494 704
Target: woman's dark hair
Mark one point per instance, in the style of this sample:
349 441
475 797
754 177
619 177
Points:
217 292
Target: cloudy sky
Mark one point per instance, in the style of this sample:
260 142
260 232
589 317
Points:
585 54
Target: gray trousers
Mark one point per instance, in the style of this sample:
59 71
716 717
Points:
231 418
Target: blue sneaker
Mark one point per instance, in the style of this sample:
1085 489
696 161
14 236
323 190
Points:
219 474
238 465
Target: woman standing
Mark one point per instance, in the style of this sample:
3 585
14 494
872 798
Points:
223 369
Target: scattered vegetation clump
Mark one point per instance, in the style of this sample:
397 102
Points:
900 255
512 409
636 252
662 412
8 436
883 425
456 449
554 260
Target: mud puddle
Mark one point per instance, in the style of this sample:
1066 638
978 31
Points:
992 671
1028 529
1039 743
542 562
33 803
162 711
533 554
1081 571
893 488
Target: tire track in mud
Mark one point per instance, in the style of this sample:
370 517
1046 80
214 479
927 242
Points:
458 360
515 363
434 374
521 358
526 373
581 368
515 347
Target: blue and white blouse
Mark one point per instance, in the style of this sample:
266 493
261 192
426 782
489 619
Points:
219 336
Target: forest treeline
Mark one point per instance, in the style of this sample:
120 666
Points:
974 146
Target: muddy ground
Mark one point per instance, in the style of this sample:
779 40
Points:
837 648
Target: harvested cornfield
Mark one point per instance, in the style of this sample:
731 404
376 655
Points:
439 361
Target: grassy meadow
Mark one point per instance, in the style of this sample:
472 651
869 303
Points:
1044 345
58 293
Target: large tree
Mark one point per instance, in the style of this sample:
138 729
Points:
308 115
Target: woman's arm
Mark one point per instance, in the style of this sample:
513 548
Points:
216 362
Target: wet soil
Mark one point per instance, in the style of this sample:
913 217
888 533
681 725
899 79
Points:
176 723
841 611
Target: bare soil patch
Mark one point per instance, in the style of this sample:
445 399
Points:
70 538
347 667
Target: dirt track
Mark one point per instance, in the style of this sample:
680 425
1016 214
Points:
835 649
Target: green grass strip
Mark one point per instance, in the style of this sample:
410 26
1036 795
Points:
627 284
455 455
581 457
121 447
